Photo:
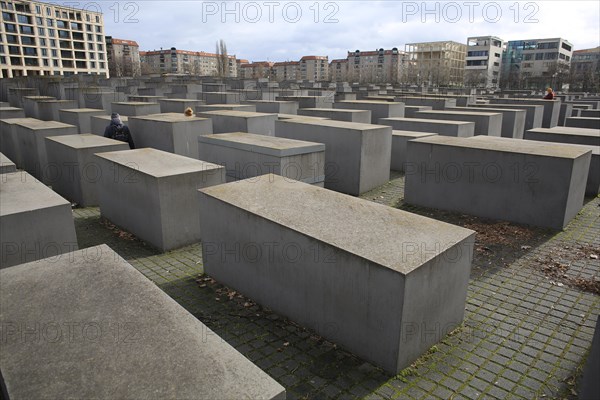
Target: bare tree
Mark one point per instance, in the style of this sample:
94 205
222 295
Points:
222 59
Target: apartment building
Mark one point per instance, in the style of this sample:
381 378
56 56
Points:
287 70
174 61
255 70
483 62
435 63
338 70
45 39
585 70
123 57
373 66
314 68
536 63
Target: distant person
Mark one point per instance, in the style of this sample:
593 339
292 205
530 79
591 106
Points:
550 95
189 112
118 131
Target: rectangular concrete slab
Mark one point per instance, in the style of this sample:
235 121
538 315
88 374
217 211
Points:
565 134
79 117
225 121
31 134
172 132
6 165
245 155
357 272
11 112
275 107
152 194
177 106
534 183
513 121
486 123
533 113
357 156
399 141
132 108
583 122
441 127
35 222
379 109
230 107
76 174
359 116
93 313
551 108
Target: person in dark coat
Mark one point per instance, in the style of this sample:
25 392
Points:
549 94
118 131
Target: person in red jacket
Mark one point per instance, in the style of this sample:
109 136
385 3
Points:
550 95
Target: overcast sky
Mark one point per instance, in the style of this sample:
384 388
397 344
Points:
287 30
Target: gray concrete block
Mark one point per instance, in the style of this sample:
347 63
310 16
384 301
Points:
275 107
357 156
359 116
486 123
76 174
441 127
100 122
230 107
177 106
566 110
409 111
49 110
399 141
16 95
31 134
513 121
146 99
540 184
31 107
133 109
379 109
79 117
93 98
359 273
584 113
533 113
565 134
246 155
9 142
6 165
308 101
434 103
583 122
35 223
225 121
551 108
590 385
172 132
11 112
93 313
152 194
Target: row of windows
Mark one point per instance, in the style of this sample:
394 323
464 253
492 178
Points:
33 51
28 30
74 15
34 62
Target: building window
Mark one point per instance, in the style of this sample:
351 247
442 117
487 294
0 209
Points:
90 37
55 63
61 24
92 55
10 27
8 16
52 43
97 19
39 21
99 38
48 11
44 52
51 32
27 30
23 19
30 51
38 9
76 26
539 56
100 47
16 61
45 63
90 46
41 31
54 53
49 21
87 17
64 34
101 56
101 65
92 64
28 40
42 42
98 29
12 39
88 27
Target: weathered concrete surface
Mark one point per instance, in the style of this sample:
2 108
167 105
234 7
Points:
540 184
133 109
95 314
379 109
357 156
513 121
399 141
172 132
245 155
49 110
80 117
35 223
486 123
551 108
6 165
225 121
152 194
365 268
11 112
177 106
565 134
275 107
441 127
77 174
31 134
583 122
434 103
230 107
533 113
359 116
9 141
409 111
